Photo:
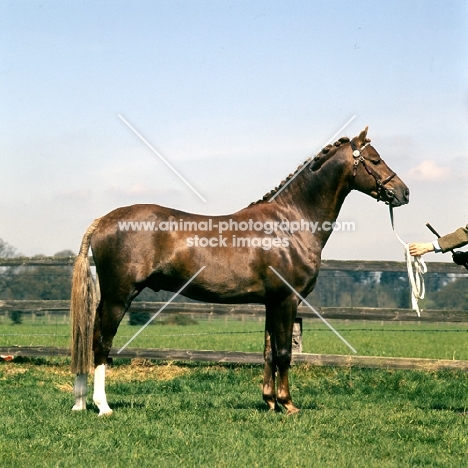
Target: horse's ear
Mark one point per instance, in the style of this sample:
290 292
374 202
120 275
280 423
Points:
362 138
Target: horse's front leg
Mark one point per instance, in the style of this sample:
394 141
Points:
285 313
269 391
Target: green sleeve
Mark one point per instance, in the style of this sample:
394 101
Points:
455 239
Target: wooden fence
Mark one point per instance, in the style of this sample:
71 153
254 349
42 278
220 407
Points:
345 313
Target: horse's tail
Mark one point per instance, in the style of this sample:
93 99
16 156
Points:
83 308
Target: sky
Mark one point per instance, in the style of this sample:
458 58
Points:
234 95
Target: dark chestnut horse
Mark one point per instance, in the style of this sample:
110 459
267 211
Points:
150 246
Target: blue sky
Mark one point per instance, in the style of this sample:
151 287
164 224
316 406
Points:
234 95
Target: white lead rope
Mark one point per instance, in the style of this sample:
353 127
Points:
416 270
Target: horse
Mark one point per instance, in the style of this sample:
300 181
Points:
262 254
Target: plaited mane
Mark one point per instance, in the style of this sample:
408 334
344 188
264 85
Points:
318 160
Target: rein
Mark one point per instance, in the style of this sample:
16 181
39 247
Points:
416 270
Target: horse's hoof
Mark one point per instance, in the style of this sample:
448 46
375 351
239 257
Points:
79 407
292 411
105 412
275 409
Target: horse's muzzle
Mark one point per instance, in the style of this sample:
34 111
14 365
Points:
391 198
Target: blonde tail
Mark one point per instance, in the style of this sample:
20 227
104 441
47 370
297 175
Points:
83 308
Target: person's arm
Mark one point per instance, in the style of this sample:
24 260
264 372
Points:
444 244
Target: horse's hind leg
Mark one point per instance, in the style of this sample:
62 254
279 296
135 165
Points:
108 318
99 395
79 390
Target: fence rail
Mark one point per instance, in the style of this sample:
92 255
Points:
335 265
236 357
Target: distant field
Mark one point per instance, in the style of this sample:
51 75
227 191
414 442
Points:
437 341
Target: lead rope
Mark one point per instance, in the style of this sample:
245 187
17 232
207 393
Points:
416 270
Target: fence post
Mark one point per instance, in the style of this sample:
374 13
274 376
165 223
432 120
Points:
297 336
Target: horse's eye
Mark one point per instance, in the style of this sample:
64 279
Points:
375 161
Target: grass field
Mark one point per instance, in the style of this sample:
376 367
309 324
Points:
191 415
195 414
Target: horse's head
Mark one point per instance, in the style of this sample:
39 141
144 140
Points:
371 174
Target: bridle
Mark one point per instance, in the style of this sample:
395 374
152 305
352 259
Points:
381 189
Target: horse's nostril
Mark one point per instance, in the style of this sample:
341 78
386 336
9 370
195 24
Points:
407 194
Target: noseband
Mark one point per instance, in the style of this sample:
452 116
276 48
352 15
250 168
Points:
381 190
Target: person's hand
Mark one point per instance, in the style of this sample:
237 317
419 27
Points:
460 258
420 248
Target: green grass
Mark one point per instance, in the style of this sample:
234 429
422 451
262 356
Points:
190 415
435 341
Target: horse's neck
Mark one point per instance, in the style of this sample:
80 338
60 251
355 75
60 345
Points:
317 198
